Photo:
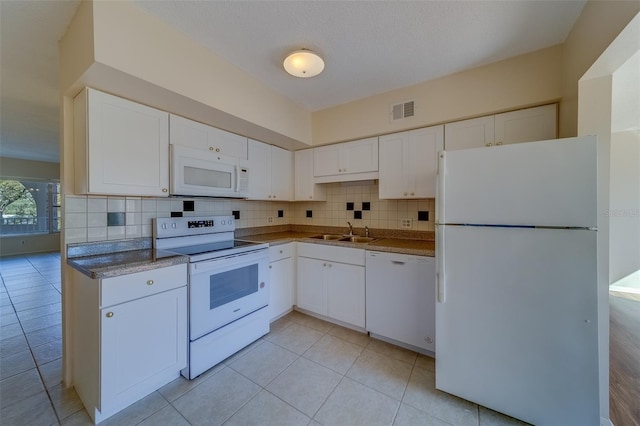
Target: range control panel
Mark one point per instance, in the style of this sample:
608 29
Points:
165 227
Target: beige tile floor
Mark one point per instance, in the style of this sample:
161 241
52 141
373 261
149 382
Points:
304 372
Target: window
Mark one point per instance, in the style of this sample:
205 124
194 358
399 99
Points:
29 207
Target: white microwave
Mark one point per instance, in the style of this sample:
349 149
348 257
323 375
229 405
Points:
196 172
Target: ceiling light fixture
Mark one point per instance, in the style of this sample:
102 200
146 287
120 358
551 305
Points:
303 63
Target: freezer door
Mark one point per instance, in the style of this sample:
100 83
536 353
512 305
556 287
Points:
547 183
516 322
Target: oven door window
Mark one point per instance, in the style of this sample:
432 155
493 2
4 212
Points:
225 287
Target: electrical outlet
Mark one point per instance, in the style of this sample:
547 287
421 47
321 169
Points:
270 219
405 223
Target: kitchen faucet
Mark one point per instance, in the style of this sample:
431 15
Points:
350 228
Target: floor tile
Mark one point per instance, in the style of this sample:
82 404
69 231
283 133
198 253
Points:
80 418
13 345
168 416
217 399
65 401
138 411
280 324
409 416
242 352
20 291
8 318
493 418
44 335
355 404
21 386
40 311
351 336
178 387
305 385
41 322
422 394
334 353
264 363
33 410
31 304
49 296
266 409
51 373
9 331
426 362
382 373
20 362
309 321
47 352
296 338
392 350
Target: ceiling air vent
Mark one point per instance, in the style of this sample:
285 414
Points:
403 110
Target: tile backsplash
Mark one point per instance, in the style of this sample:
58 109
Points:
100 218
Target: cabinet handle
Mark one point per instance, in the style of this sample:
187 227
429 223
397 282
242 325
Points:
489 144
397 262
270 266
499 143
274 196
324 264
149 282
210 148
262 284
405 194
311 197
280 251
412 193
109 314
164 190
217 149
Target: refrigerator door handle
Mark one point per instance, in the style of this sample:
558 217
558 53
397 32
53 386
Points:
440 293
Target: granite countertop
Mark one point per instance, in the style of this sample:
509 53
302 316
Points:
112 259
392 245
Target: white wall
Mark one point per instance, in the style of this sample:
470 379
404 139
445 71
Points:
595 111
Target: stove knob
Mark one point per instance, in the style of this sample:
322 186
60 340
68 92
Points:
173 225
164 226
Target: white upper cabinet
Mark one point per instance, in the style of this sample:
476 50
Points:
525 125
270 172
200 136
474 133
356 160
121 147
305 187
409 163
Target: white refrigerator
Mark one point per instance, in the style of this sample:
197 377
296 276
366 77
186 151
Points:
516 310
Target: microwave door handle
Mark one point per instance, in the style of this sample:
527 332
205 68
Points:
237 169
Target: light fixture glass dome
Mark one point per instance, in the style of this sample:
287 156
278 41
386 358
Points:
303 63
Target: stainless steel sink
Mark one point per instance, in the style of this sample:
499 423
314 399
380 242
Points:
357 239
328 237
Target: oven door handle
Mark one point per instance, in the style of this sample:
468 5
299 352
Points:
222 264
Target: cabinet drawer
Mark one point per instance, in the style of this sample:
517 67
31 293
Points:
140 284
280 251
332 253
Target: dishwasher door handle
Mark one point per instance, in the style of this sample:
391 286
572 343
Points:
397 262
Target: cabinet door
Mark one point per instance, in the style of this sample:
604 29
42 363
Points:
139 341
474 133
281 279
311 288
305 188
393 150
421 160
281 174
360 156
259 170
345 293
526 125
127 147
201 136
326 160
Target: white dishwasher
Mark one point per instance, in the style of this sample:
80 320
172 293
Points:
400 299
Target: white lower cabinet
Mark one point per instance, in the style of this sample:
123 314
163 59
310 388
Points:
330 282
401 299
130 336
281 280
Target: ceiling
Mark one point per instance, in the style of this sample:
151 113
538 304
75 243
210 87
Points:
369 47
